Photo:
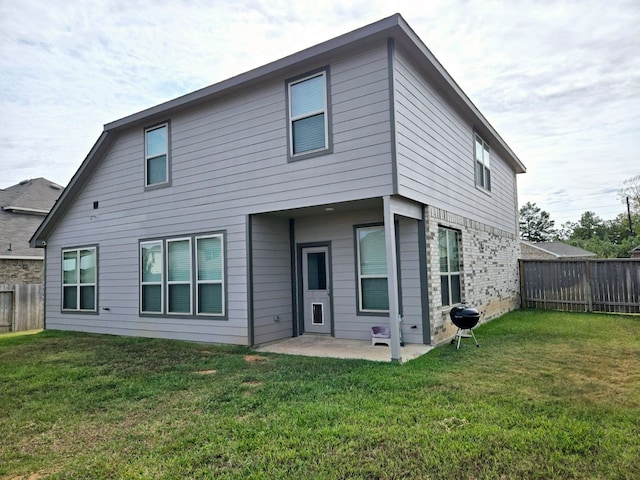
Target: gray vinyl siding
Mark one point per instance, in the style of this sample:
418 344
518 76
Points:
228 160
271 279
435 153
409 265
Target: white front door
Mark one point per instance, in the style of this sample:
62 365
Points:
316 289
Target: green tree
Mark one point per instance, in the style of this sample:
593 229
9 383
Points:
589 226
535 224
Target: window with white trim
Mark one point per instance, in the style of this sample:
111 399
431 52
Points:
308 116
210 275
448 245
151 276
373 294
179 276
156 152
79 279
183 276
482 162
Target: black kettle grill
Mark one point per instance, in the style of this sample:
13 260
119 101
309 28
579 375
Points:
465 318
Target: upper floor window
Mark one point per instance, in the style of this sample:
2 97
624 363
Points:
373 292
483 163
448 243
156 151
308 114
79 279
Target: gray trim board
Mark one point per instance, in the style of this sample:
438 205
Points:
294 290
250 320
392 113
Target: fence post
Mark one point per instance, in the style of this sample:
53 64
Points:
523 303
587 285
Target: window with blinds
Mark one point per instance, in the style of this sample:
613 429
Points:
156 148
373 295
183 276
448 245
482 162
308 118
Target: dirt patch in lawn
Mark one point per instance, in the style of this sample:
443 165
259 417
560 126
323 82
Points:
255 358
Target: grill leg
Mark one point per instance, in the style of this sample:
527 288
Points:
461 333
474 338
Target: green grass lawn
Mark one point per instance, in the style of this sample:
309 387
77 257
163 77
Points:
548 395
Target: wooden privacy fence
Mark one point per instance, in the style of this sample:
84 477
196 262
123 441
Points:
608 285
21 307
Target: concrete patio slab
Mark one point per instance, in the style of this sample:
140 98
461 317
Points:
325 346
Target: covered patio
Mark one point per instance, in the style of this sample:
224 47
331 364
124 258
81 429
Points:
325 346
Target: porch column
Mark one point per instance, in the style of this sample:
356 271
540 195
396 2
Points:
392 278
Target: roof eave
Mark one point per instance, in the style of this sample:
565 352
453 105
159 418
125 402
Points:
382 27
75 185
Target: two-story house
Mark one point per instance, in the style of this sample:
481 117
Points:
332 190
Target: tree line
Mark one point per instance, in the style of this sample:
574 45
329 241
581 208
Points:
607 238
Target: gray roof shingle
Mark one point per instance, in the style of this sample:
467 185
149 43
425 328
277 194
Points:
22 209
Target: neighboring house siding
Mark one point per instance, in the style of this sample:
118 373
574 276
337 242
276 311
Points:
435 154
16 271
228 159
271 259
532 253
489 267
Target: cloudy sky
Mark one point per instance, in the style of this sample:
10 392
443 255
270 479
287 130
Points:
560 80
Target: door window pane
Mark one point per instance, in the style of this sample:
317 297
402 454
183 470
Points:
317 271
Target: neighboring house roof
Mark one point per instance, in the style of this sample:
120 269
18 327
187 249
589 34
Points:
561 250
22 209
393 27
635 252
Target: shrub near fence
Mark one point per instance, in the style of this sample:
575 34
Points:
608 285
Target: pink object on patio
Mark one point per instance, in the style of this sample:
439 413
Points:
381 334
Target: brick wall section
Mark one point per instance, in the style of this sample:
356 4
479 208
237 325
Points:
489 268
21 271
